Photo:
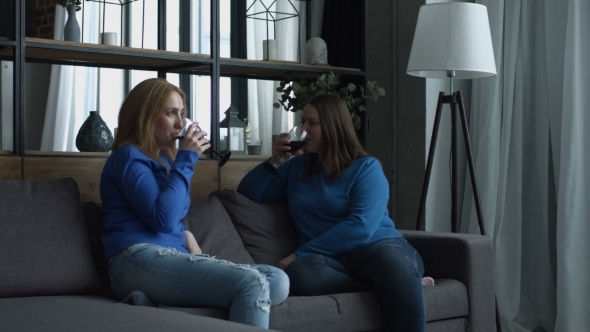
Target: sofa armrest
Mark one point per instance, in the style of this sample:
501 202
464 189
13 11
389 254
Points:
467 258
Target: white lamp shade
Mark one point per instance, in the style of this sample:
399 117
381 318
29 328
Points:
452 36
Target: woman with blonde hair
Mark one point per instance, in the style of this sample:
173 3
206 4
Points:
337 196
144 188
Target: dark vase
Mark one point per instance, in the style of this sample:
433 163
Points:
94 135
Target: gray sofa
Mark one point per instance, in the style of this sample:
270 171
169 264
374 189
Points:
53 277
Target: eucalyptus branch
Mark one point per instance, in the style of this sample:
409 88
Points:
295 94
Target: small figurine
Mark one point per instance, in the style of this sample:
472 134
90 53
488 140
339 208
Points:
316 51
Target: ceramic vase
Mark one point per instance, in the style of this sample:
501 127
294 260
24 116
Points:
72 28
94 135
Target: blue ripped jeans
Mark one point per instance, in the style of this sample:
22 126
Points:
392 267
173 278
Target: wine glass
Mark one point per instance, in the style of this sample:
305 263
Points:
296 142
187 122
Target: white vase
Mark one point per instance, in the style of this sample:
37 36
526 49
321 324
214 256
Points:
72 28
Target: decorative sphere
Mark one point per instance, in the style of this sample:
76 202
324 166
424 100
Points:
316 51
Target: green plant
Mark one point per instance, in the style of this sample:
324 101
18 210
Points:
68 3
297 93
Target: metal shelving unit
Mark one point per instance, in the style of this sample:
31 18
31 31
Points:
24 49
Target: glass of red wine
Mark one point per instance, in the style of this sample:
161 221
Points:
296 142
187 122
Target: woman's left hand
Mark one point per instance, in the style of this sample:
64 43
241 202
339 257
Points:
287 260
191 244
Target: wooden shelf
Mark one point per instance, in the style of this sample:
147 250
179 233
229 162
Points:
35 153
76 154
278 70
249 157
98 55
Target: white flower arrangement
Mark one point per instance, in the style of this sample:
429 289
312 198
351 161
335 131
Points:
69 3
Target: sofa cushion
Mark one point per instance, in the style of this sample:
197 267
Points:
44 240
89 313
445 302
212 227
446 299
267 230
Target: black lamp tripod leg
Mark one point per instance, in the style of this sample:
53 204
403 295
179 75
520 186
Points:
454 168
471 165
420 222
453 100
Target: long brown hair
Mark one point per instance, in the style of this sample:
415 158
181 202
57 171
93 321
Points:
140 112
340 146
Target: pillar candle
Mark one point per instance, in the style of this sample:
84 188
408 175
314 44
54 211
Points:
109 38
269 49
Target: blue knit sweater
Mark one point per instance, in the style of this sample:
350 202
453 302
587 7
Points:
330 217
141 202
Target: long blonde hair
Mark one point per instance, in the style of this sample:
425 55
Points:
140 112
340 146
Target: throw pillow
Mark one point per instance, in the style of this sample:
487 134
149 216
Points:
212 227
43 240
267 230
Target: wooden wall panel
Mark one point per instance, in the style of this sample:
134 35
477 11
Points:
232 173
86 172
205 180
11 168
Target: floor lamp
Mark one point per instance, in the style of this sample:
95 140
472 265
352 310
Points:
452 41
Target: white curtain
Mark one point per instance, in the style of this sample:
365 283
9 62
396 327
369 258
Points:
72 89
264 119
531 149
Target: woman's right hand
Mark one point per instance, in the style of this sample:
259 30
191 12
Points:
195 140
279 147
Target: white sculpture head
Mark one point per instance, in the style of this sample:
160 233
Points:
316 51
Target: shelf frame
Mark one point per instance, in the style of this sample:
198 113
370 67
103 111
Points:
37 50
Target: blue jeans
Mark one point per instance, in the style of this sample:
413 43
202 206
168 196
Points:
173 278
392 267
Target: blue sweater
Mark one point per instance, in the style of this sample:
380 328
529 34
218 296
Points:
330 217
141 202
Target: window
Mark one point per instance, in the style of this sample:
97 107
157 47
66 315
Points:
144 34
106 88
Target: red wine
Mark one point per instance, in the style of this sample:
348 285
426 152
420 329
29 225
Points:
296 145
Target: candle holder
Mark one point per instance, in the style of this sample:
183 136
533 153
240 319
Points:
232 132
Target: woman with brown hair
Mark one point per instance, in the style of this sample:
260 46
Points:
144 188
337 196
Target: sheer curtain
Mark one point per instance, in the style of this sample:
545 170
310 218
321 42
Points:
531 151
72 89
264 119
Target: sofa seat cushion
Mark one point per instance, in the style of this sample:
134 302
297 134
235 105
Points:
445 302
44 240
446 299
95 313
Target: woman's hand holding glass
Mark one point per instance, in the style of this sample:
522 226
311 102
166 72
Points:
287 145
198 138
194 139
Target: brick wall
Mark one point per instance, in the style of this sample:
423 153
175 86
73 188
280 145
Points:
44 18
